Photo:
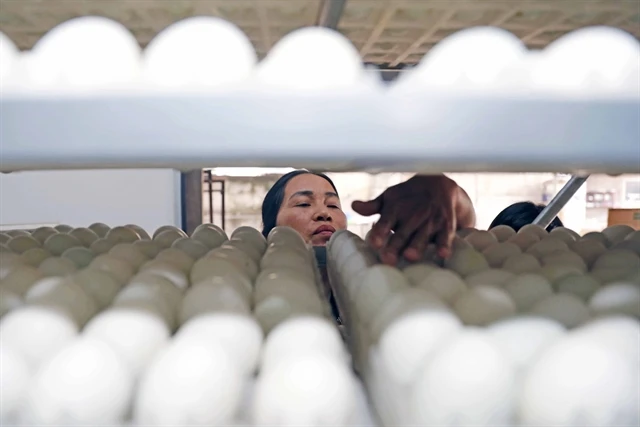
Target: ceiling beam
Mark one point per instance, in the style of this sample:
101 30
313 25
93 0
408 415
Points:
330 13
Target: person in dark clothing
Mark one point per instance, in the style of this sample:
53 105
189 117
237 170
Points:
520 214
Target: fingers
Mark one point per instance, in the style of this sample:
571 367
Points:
446 233
369 208
419 242
401 238
380 231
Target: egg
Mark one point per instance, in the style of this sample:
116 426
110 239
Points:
120 270
86 236
286 236
191 247
21 244
528 289
100 229
147 247
597 236
42 233
521 263
564 257
616 298
102 246
4 238
240 335
619 333
83 384
122 235
167 237
378 283
128 253
212 298
63 295
497 253
8 301
57 267
191 382
546 246
253 250
101 286
617 233
491 277
565 234
81 257
164 228
502 232
139 231
524 240
63 228
35 256
446 284
566 309
534 229
483 305
20 279
167 270
582 286
416 273
481 239
37 333
466 262
14 382
251 235
211 237
56 244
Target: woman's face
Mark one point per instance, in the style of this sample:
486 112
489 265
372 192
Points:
312 208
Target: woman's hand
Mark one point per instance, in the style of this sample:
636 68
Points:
424 209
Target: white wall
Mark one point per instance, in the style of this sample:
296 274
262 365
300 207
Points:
149 198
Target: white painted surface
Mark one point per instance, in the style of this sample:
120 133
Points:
149 198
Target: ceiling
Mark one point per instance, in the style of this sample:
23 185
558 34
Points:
389 33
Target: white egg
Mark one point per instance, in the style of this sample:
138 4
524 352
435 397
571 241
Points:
481 239
86 52
37 333
483 305
498 253
594 61
241 336
582 286
447 285
300 61
580 382
302 336
566 309
521 263
618 333
219 54
523 339
14 382
9 56
83 384
307 390
528 289
133 336
468 381
491 277
503 232
466 262
616 298
189 383
408 341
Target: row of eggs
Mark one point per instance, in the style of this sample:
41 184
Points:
120 310
95 53
467 341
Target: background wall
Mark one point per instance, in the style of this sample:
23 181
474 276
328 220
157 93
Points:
149 198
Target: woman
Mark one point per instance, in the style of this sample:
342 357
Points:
520 214
423 209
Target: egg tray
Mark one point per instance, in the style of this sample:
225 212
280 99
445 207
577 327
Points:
522 300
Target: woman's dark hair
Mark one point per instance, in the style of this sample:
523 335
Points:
520 214
273 200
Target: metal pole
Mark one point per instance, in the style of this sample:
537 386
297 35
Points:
560 200
210 183
330 13
223 207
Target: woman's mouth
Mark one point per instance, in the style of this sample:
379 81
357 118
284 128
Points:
324 230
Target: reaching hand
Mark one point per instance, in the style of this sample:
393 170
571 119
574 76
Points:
424 209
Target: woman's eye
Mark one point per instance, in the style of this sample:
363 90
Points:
303 205
334 206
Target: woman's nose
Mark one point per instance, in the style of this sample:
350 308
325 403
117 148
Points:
322 215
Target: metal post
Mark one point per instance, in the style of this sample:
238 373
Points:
560 200
223 208
210 184
191 200
330 13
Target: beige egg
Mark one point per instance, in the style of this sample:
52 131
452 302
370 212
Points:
42 233
120 270
483 305
100 229
588 249
167 270
630 245
176 257
4 238
209 236
521 263
191 247
491 277
568 310
211 266
534 229
238 281
287 236
527 289
595 235
122 235
618 258
275 284
147 247
556 272
20 279
58 243
446 284
565 258
582 286
252 249
209 299
8 301
237 256
57 267
288 259
9 261
524 240
503 232
102 246
547 246
250 234
81 257
85 235
16 233
276 308
99 285
63 228
416 273
565 234
481 239
4 248
160 285
147 301
379 282
139 231
65 295
164 228
617 233
167 237
21 244
128 253
466 262
498 253
34 256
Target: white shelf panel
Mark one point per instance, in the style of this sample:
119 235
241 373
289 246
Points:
337 133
